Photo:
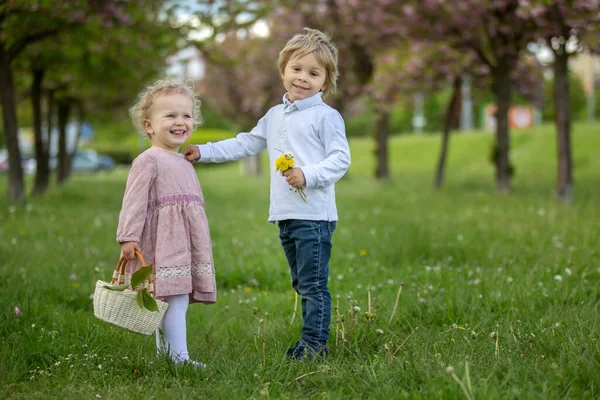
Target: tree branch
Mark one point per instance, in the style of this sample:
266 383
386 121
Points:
20 45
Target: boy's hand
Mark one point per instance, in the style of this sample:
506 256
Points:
129 248
191 153
295 177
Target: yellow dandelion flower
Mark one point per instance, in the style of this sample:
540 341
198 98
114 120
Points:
363 253
284 163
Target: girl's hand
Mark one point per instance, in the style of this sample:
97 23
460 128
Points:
295 177
191 153
129 248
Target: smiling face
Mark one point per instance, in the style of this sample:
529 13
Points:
171 122
303 77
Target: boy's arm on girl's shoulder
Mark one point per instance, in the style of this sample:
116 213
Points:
332 133
135 200
245 144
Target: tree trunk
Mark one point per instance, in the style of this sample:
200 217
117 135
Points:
50 113
63 158
450 120
564 187
502 94
251 166
71 155
16 189
382 129
42 172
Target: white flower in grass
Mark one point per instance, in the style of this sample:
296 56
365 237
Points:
379 331
509 279
558 278
568 271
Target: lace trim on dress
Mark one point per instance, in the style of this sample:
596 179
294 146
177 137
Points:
196 268
162 201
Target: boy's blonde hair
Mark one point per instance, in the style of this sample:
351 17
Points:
317 43
163 87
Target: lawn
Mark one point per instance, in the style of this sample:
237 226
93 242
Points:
502 288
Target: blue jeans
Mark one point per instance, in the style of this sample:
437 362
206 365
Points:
307 246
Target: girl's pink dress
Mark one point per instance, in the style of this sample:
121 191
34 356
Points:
163 211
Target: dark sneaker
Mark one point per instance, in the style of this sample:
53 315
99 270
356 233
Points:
302 351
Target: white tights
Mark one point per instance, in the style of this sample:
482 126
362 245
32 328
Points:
174 339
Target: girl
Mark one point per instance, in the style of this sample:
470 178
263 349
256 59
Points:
163 212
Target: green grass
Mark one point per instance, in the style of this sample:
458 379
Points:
506 283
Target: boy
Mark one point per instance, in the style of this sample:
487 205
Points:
315 134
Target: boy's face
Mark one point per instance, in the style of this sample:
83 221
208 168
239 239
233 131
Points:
303 77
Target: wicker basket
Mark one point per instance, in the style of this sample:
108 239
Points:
121 308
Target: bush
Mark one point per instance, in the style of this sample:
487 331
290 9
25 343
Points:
124 150
360 125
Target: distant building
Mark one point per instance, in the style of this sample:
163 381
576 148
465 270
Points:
587 67
187 64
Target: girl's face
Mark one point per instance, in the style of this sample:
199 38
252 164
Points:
171 122
303 77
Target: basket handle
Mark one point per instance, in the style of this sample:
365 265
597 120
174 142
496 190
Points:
119 273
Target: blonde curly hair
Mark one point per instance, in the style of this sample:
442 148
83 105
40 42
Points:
142 109
317 43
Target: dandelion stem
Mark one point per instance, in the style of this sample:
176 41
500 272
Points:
326 369
396 303
295 308
462 386
468 377
369 305
497 336
264 353
402 344
337 323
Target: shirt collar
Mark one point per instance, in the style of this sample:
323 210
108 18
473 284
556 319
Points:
304 103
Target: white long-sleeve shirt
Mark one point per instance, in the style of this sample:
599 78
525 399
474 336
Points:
311 130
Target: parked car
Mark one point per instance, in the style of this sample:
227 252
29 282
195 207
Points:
91 161
83 161
27 163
